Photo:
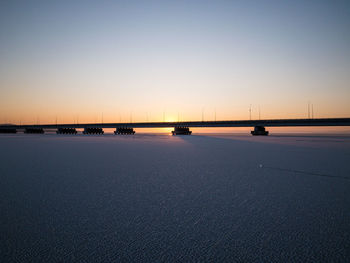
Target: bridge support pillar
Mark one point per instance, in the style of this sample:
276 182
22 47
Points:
34 130
66 131
181 131
259 130
124 131
93 131
4 130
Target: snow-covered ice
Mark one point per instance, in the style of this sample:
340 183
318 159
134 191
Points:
159 198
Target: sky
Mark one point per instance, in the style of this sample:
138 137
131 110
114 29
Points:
121 61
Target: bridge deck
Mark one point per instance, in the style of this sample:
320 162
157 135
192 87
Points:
194 124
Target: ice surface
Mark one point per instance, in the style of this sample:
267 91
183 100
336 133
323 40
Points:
147 198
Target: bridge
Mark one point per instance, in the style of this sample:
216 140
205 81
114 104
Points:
182 127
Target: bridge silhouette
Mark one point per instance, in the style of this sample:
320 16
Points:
181 127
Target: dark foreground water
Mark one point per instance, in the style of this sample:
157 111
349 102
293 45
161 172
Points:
150 198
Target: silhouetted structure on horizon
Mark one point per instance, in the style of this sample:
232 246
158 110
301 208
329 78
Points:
179 127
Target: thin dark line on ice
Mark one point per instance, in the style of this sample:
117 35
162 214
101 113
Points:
308 173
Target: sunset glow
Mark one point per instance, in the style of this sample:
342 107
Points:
77 61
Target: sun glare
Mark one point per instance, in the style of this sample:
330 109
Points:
170 120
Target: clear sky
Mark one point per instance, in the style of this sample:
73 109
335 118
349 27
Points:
77 60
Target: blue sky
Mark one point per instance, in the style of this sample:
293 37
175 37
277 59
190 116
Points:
81 58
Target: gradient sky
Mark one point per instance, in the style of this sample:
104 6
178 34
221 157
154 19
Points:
77 60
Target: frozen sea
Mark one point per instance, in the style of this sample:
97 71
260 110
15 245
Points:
160 198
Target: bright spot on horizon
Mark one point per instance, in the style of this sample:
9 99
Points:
170 120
